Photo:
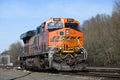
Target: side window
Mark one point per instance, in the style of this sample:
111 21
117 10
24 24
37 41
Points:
42 28
38 30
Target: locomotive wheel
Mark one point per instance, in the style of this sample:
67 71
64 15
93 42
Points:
22 66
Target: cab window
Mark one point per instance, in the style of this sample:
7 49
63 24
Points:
72 25
55 25
42 27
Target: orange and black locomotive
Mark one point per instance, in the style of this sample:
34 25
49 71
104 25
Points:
57 43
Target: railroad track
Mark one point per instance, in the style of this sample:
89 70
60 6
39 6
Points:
96 72
9 67
91 71
99 74
93 74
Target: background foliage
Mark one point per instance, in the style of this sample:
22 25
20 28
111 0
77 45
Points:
102 38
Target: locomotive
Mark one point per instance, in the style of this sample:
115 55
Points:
57 44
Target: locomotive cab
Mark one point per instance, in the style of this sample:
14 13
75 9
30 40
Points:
65 34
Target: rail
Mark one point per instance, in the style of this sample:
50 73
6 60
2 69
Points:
96 72
90 71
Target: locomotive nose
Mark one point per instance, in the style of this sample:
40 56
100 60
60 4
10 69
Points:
70 39
66 40
65 32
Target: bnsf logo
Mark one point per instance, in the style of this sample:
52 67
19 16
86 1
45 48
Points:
64 38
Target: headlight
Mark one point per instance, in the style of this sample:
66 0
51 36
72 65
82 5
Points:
60 48
67 32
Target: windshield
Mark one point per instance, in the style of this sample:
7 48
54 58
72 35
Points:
71 25
55 25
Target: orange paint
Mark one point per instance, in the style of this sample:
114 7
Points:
66 37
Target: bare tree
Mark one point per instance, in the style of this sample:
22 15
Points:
102 38
15 51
